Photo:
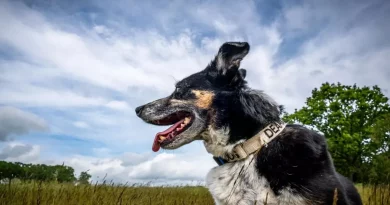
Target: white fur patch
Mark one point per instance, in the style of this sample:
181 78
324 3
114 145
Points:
216 141
220 62
239 183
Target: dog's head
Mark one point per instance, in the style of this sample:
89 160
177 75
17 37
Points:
213 105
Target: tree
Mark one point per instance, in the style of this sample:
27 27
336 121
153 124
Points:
345 115
84 178
10 171
64 173
381 135
379 164
39 172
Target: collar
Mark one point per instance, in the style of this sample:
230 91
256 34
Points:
244 149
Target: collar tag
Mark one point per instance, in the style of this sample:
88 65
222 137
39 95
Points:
244 149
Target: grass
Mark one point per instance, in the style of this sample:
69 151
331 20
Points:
60 194
374 194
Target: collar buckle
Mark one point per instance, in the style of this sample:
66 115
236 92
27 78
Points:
240 151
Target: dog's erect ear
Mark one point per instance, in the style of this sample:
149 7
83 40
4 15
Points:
224 69
229 56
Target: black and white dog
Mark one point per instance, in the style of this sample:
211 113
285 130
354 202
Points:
262 160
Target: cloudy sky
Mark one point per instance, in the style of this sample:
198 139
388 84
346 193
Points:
72 72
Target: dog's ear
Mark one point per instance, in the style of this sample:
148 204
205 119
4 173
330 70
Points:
230 55
227 61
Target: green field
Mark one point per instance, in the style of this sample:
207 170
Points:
64 194
61 194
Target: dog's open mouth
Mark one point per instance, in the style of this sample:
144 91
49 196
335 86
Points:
181 121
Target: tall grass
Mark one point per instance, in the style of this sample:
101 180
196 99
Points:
374 194
41 193
68 194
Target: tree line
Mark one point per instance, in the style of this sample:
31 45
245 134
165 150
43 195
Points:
40 172
356 123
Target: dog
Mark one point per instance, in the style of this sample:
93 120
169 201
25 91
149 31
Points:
261 159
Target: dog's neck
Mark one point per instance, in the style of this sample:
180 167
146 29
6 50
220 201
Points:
240 120
252 112
217 143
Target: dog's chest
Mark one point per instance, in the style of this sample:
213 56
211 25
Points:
240 183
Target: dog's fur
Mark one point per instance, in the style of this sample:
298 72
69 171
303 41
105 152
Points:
294 168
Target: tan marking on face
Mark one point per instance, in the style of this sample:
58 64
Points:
204 98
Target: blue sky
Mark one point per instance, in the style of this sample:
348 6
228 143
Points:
72 72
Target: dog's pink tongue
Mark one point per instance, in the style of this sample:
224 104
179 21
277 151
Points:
156 146
156 143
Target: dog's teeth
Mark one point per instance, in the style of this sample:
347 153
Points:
162 138
178 129
187 120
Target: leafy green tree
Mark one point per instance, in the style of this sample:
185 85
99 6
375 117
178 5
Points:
379 165
28 172
41 172
4 170
84 178
381 135
345 115
10 171
64 173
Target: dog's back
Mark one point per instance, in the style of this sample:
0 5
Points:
350 190
299 160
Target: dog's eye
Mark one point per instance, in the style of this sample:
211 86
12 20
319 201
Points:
180 93
177 93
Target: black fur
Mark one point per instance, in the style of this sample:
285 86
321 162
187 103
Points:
297 159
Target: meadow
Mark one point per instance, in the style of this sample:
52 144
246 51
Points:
40 193
68 194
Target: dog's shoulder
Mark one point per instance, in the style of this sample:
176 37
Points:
299 160
296 153
297 143
295 133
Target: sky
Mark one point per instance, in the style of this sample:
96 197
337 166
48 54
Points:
72 72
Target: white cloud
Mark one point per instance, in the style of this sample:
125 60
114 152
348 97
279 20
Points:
141 60
81 124
131 159
118 105
344 50
20 152
296 18
173 166
14 122
163 167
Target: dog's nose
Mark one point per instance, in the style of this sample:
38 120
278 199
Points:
138 110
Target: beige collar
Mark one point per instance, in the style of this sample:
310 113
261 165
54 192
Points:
244 149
